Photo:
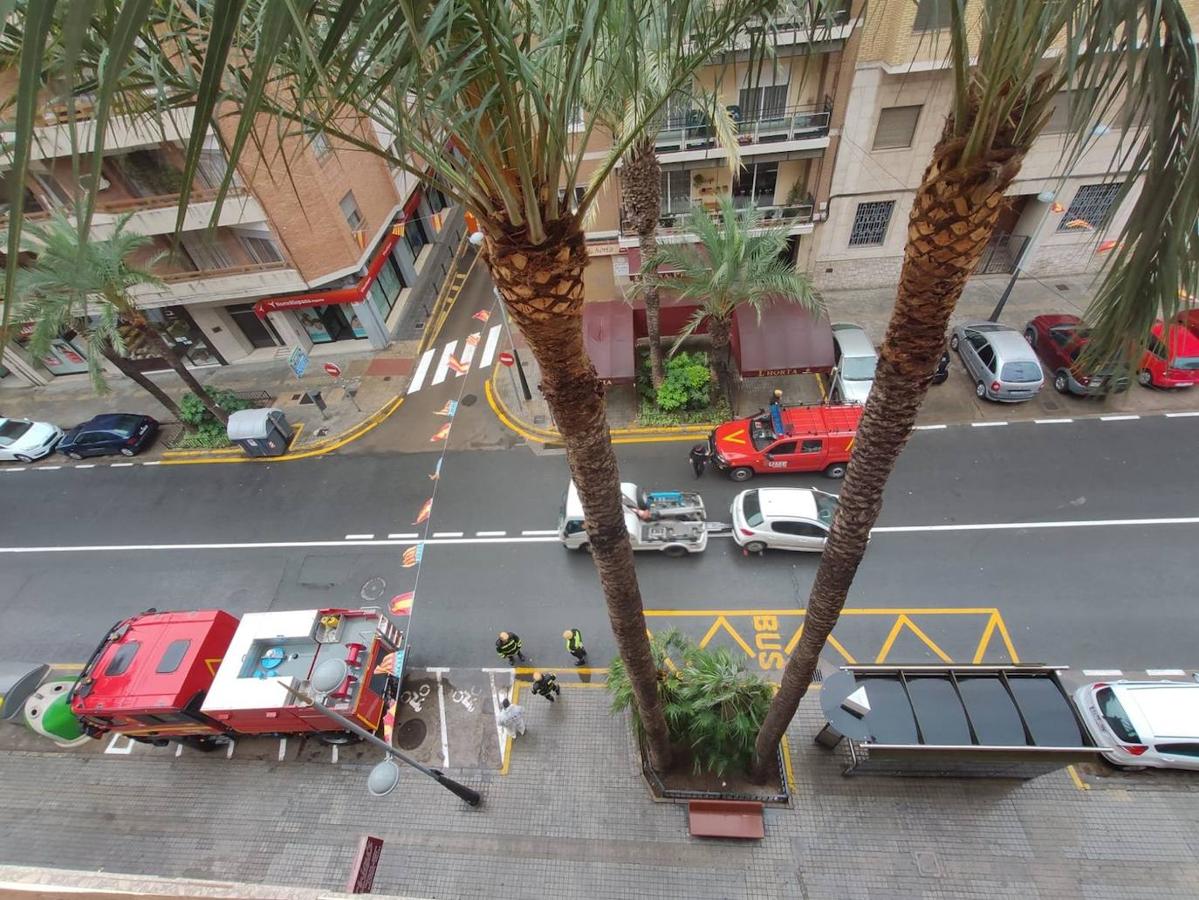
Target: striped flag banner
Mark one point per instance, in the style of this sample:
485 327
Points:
440 434
389 719
459 367
473 340
425 509
401 604
412 555
482 315
436 472
451 407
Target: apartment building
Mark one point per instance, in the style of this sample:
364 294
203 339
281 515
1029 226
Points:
900 94
318 245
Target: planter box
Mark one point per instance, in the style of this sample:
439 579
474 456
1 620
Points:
666 788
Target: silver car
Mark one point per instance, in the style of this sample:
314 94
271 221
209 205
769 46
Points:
782 519
1143 723
999 361
854 359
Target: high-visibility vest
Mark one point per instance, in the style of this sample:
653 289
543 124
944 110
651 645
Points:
575 641
508 647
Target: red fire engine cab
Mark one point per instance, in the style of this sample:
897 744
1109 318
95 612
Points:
789 439
202 677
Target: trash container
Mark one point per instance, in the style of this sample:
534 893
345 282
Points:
260 432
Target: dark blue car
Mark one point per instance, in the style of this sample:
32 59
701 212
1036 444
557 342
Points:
123 433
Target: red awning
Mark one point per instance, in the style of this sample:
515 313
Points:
787 341
608 337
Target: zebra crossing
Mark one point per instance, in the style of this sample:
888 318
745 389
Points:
451 359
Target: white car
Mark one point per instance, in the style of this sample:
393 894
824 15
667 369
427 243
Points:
854 361
25 441
782 519
1143 723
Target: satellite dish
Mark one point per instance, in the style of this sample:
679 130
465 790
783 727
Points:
329 675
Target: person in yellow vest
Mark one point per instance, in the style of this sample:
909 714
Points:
574 645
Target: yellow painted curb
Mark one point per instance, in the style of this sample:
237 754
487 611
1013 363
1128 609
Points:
225 451
787 763
318 448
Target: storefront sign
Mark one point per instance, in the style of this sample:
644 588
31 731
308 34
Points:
603 248
366 864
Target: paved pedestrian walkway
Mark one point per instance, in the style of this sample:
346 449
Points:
572 819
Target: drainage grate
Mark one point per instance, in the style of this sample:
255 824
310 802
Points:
373 589
468 400
411 734
1062 287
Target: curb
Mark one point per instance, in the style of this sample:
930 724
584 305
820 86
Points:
631 435
317 448
224 451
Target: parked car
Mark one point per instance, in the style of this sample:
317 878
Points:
942 372
782 519
1144 723
1058 340
124 433
999 361
24 440
1171 358
854 360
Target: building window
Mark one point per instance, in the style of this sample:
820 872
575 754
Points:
386 289
896 127
212 168
321 148
262 250
349 209
754 185
580 190
415 236
763 102
676 193
870 223
932 15
1091 208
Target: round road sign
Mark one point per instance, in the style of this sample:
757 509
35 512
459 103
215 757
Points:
332 370
507 359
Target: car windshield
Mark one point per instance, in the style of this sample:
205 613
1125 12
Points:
1021 372
1115 716
826 508
858 368
11 430
124 424
1186 363
751 508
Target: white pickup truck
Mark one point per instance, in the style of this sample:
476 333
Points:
673 522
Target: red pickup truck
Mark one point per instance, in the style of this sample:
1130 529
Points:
811 439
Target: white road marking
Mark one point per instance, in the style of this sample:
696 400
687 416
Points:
360 537
1161 673
468 352
493 340
1052 421
1117 418
422 369
229 750
437 669
14 469
931 427
123 750
178 750
1017 526
986 424
447 534
402 536
282 748
335 754
495 711
47 468
153 462
538 533
443 364
1181 415
490 533
445 738
86 466
1103 673
119 465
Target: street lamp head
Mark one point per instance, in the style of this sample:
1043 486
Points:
476 238
383 778
1046 196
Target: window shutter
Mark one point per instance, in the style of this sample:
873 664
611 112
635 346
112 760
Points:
896 127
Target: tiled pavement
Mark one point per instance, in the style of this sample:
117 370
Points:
572 819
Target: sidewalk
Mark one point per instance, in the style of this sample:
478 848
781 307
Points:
572 819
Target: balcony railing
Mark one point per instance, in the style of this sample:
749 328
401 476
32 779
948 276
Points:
693 131
676 223
198 274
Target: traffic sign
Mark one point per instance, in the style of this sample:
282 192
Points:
332 370
298 360
507 359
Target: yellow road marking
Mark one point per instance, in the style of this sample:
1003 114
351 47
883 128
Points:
854 611
1078 782
837 646
900 622
720 622
787 763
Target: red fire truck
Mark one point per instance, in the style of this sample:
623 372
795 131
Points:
789 439
202 677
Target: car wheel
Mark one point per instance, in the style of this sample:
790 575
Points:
674 551
1030 335
836 470
953 343
741 473
980 390
584 547
74 455
755 547
127 451
1061 383
21 457
1145 378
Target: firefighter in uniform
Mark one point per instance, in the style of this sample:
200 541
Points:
574 645
546 685
507 645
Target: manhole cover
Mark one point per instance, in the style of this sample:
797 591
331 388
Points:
469 400
373 589
411 734
1062 287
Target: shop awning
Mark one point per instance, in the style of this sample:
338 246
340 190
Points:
608 336
788 340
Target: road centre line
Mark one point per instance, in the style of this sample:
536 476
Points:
447 534
360 537
407 535
549 537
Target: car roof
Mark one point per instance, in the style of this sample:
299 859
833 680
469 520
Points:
1178 338
1168 709
787 503
1009 343
853 340
107 420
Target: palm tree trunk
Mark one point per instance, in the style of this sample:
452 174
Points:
952 218
131 372
719 331
641 180
543 288
175 360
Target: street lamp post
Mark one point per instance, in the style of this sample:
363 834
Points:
384 777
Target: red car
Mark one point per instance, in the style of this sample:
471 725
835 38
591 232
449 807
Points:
811 439
1188 319
1171 359
1058 339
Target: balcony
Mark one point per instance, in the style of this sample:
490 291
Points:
691 136
672 226
52 137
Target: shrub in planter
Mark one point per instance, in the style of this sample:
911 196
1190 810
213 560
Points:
207 432
686 386
713 705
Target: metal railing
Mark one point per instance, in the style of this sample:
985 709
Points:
676 223
1001 254
658 786
195 274
692 130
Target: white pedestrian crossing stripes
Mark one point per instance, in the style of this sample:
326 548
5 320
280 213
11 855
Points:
447 361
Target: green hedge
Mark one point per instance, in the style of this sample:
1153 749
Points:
207 433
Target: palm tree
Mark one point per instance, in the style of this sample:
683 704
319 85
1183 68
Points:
486 103
736 262
1102 51
71 274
